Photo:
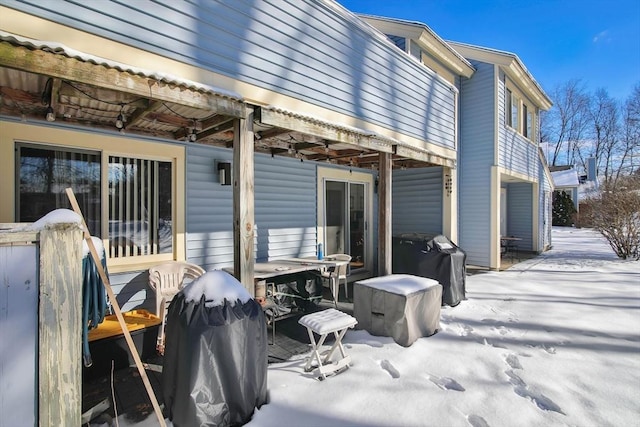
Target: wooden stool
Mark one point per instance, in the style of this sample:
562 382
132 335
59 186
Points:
323 323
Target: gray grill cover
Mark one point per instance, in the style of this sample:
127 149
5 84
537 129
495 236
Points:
433 256
215 363
400 306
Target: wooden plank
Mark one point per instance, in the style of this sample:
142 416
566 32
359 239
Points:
243 203
116 309
384 215
424 156
60 326
19 237
62 67
323 130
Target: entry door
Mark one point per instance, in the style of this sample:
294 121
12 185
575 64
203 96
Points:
345 220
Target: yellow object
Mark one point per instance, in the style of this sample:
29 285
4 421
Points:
135 320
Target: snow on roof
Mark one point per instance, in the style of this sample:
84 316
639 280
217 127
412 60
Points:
565 178
216 286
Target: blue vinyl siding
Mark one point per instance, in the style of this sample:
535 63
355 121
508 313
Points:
520 210
476 158
417 201
314 51
285 208
516 153
132 291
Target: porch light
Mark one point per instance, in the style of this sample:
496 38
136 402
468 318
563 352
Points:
224 172
193 136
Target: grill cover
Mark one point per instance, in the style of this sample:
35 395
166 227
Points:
215 363
433 256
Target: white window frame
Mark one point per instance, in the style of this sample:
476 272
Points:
107 145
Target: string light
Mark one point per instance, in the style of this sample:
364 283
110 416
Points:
51 116
120 119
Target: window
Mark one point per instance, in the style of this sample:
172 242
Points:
515 107
507 110
43 176
527 126
140 207
137 200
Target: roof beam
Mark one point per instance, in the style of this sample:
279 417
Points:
63 67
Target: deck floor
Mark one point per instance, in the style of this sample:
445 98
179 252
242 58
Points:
125 386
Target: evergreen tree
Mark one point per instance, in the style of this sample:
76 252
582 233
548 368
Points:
563 209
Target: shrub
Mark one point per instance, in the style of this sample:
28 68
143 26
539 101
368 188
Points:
615 213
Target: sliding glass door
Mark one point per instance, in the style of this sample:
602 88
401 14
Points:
345 220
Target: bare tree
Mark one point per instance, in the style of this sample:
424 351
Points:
564 126
604 115
630 135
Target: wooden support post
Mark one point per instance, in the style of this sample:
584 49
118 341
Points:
116 309
243 202
60 326
384 215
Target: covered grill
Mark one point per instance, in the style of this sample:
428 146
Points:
433 256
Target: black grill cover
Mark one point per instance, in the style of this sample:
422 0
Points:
215 363
433 256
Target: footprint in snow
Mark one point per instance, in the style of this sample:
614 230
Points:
477 421
512 360
371 343
387 366
522 389
446 383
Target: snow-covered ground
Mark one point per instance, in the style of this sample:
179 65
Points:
553 341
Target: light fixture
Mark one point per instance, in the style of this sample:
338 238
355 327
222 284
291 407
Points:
120 121
193 136
51 116
326 147
290 149
224 173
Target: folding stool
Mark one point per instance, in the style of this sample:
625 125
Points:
323 323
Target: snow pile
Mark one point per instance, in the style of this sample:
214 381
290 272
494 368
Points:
217 286
58 216
97 242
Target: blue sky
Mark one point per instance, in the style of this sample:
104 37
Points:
595 41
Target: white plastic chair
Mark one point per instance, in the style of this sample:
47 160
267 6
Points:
167 280
338 274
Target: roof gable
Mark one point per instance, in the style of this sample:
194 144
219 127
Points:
426 38
512 66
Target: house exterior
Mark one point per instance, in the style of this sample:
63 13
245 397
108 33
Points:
504 189
138 106
417 192
504 186
565 178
